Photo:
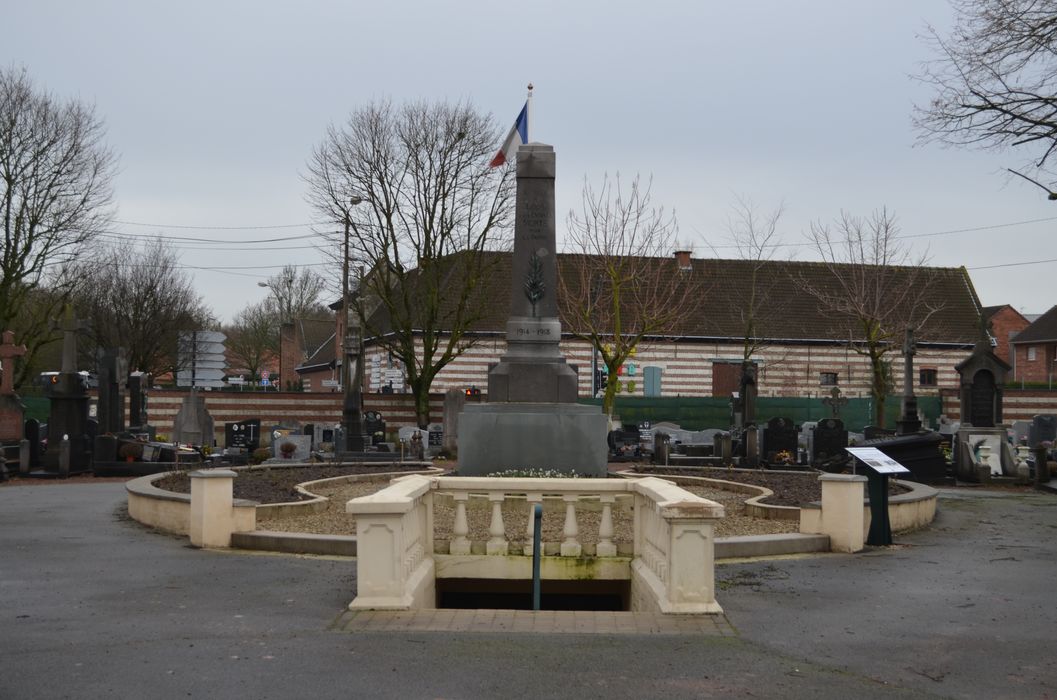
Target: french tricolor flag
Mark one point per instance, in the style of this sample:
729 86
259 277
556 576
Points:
517 136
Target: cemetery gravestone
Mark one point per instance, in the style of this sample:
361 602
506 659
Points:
454 402
193 425
829 441
374 426
436 438
835 401
872 432
779 435
112 369
982 376
1021 430
323 437
909 422
302 447
243 435
69 450
1043 429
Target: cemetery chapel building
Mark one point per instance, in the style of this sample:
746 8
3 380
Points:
806 351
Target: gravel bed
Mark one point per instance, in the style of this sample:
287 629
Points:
790 488
276 484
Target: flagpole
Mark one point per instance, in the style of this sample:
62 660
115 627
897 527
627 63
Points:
528 115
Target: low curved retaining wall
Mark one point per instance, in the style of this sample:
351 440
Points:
171 512
906 511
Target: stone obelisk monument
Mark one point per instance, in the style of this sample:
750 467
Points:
532 420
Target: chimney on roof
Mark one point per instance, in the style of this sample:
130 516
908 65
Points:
682 259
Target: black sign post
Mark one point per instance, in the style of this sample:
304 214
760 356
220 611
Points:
879 467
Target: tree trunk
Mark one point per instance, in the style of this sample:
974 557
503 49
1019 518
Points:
878 388
421 393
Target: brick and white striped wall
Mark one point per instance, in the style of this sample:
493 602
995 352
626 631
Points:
686 367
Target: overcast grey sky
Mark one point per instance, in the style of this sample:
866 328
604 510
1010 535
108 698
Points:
213 108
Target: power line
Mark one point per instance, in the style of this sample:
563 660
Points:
912 235
1013 264
123 235
214 228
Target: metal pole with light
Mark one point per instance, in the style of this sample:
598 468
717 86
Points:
352 409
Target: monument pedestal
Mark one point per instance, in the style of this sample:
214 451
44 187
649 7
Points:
495 437
532 420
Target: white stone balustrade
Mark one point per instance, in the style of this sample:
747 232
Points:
671 569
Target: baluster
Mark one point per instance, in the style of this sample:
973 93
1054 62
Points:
570 545
497 544
606 548
460 543
533 499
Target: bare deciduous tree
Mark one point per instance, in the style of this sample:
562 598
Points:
253 337
753 235
874 289
622 285
295 294
55 191
995 78
138 299
412 190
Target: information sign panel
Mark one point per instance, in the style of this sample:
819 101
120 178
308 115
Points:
877 460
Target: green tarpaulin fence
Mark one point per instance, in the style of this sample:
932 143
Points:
699 413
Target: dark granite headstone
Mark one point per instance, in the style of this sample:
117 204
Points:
105 449
69 450
779 435
1043 429
748 394
112 369
33 435
244 434
872 432
374 426
828 443
138 384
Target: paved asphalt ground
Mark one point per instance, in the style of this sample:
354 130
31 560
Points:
93 605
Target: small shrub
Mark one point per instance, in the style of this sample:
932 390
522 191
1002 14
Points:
260 454
130 450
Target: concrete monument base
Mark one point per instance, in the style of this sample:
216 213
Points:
495 437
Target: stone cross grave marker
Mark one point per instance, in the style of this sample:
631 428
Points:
8 352
11 409
835 401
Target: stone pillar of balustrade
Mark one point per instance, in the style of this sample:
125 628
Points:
843 512
394 556
212 517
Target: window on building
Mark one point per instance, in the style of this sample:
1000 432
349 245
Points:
927 377
1031 354
827 378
